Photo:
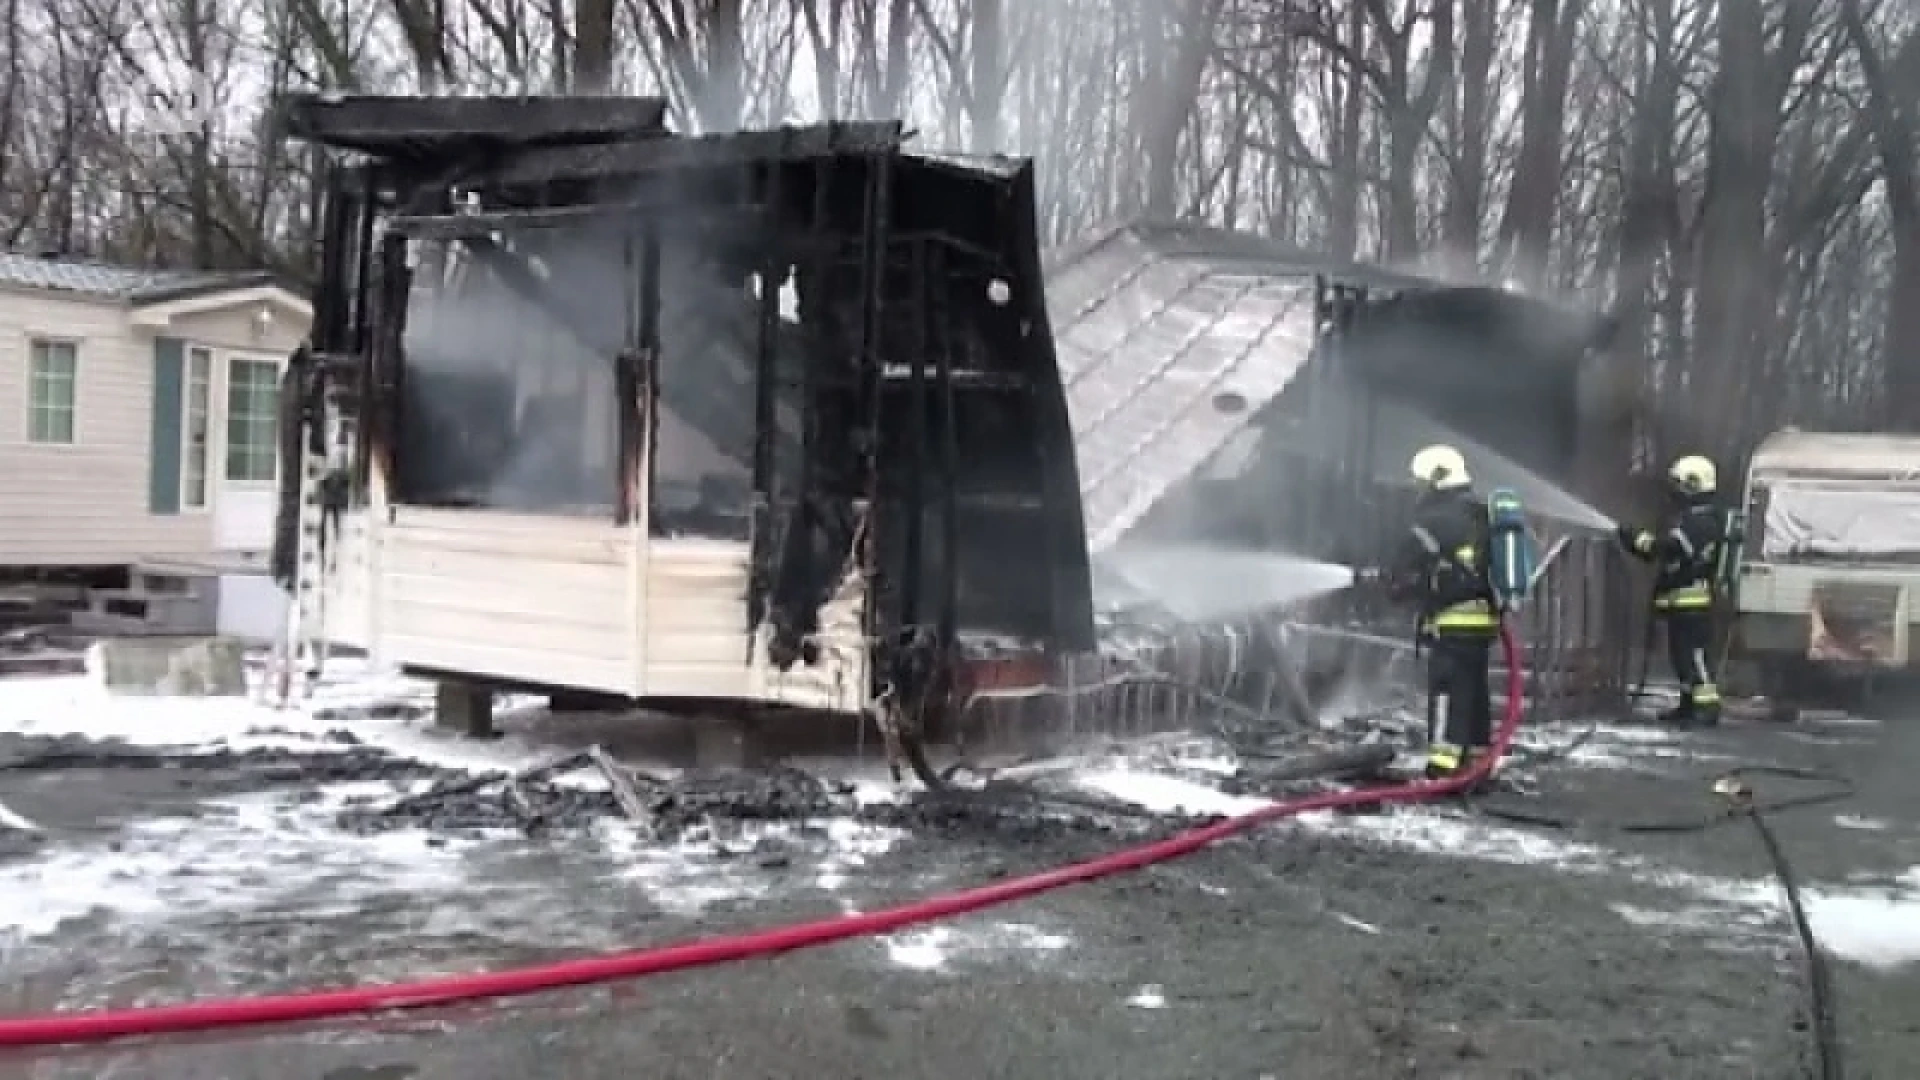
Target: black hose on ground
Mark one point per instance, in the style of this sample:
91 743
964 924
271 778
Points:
1743 806
1826 1025
1838 789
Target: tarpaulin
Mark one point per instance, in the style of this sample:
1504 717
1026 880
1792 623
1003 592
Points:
1835 521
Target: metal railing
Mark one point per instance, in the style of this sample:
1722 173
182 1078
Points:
1280 669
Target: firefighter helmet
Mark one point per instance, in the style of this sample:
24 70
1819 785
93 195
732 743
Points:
1693 475
1440 468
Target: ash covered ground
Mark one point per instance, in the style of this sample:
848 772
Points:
155 850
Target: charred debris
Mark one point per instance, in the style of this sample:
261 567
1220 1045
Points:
816 342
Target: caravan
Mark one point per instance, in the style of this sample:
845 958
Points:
1832 570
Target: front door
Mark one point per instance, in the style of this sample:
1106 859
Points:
246 469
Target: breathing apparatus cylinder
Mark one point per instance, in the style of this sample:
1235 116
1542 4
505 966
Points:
1733 542
1511 555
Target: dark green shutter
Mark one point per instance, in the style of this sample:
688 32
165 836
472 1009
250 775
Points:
169 388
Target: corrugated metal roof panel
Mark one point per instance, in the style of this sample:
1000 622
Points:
1146 341
115 282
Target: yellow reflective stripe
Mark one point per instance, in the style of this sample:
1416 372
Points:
1686 597
1643 543
1470 614
1705 694
1444 757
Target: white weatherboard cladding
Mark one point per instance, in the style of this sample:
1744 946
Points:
696 602
84 503
575 602
515 596
88 503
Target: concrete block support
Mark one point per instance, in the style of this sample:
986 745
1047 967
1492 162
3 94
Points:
465 707
726 742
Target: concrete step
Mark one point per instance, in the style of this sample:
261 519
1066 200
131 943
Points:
44 662
107 624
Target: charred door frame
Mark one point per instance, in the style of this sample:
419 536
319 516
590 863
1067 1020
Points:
636 375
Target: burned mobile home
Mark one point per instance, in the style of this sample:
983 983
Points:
768 417
1230 392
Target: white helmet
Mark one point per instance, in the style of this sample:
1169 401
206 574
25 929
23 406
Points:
1693 475
1441 468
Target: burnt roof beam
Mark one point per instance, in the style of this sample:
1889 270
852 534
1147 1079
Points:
428 126
639 158
487 222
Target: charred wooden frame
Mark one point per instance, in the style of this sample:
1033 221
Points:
963 469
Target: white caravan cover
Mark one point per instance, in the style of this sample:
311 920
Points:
1810 519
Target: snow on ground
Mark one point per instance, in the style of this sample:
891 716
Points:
1150 996
936 948
1164 794
252 854
244 853
351 698
1876 924
249 854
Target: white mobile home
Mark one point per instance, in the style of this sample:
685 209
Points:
138 412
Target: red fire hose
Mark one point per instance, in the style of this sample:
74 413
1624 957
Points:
105 1025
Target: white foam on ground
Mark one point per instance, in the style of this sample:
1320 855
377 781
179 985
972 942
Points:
1860 824
853 845
252 853
1150 996
700 870
1443 832
246 854
937 947
1877 926
921 950
1163 794
11 818
82 706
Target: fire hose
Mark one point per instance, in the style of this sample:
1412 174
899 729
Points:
107 1025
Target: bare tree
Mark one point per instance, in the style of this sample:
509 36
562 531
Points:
1893 88
1526 229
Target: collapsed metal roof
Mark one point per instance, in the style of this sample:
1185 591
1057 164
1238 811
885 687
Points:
1174 338
1164 355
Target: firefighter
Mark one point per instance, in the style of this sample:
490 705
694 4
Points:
1441 567
1685 555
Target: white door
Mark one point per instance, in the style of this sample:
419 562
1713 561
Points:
248 467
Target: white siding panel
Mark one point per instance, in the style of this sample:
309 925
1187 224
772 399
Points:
84 504
234 329
696 619
520 597
698 644
838 679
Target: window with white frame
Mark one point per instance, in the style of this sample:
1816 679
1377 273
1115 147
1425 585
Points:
53 382
253 393
194 428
